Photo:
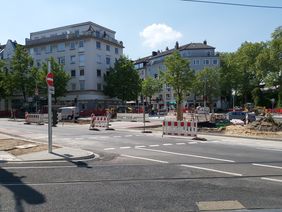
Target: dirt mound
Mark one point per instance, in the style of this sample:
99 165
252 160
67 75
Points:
265 124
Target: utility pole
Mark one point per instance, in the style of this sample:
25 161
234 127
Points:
49 107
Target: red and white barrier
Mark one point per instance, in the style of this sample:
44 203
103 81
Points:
33 118
181 128
99 121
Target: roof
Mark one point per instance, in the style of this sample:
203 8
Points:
190 46
71 26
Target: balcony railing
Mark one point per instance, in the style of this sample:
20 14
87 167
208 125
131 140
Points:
71 36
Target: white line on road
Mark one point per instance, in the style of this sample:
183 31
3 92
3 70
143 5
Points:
128 136
139 147
212 170
187 155
268 166
109 149
125 147
117 136
141 158
192 142
154 145
270 149
271 179
168 144
39 167
180 143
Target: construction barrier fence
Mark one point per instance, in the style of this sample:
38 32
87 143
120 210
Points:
180 128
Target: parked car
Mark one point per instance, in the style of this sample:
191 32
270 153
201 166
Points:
241 115
68 113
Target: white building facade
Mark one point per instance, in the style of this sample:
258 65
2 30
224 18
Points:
200 55
86 51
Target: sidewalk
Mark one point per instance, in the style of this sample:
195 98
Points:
58 153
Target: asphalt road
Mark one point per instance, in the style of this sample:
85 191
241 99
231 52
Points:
143 172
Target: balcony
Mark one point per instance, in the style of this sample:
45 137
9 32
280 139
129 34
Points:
69 37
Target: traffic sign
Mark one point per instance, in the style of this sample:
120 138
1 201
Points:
49 79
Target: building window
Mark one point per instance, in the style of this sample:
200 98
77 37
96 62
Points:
73 86
48 49
37 51
214 61
97 34
76 32
99 59
98 45
116 50
81 72
81 59
38 63
108 60
98 73
206 62
81 44
72 59
99 86
61 47
72 45
82 84
61 60
108 47
73 73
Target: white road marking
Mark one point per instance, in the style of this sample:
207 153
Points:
154 145
268 166
117 136
141 158
109 149
212 170
139 146
270 149
192 142
128 136
168 144
187 155
38 167
271 179
125 147
180 143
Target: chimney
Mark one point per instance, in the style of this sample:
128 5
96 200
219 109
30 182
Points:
205 42
166 49
176 45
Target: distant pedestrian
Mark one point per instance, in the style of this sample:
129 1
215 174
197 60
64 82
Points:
92 122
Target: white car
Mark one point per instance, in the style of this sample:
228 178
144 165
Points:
68 113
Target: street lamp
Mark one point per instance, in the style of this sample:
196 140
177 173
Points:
233 95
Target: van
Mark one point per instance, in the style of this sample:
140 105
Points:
68 113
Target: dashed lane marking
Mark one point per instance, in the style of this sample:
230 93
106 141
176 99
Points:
187 155
154 145
39 167
128 135
109 149
139 146
219 205
271 179
168 144
211 170
142 158
125 147
117 136
267 166
180 143
270 149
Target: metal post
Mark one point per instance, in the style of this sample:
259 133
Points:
144 114
49 114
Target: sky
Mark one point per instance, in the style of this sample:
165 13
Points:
147 25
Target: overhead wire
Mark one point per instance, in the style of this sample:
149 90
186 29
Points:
235 4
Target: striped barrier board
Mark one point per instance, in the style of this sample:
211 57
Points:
34 118
99 121
180 128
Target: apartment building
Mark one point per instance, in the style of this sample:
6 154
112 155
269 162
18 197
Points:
200 55
86 50
7 52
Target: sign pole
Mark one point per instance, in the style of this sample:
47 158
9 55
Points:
49 113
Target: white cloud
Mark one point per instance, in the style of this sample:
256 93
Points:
157 34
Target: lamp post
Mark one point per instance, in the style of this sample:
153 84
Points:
233 95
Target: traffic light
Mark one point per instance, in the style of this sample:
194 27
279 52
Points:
54 118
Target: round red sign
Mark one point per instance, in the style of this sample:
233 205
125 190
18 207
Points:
49 79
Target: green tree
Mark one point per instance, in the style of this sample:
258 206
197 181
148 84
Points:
21 72
151 86
61 79
123 81
3 81
207 83
276 58
180 77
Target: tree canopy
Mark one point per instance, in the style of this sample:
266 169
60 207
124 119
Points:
180 77
122 80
